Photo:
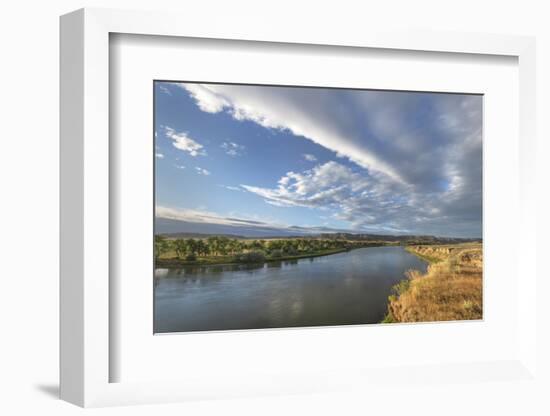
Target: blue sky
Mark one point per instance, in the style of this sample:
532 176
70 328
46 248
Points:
244 157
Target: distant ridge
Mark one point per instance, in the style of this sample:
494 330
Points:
203 235
417 239
185 229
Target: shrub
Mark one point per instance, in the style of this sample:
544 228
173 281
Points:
468 304
191 257
402 286
388 319
291 251
413 274
276 253
251 257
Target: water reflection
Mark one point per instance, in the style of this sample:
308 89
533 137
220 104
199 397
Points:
345 288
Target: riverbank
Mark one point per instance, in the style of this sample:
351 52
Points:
450 290
174 263
349 288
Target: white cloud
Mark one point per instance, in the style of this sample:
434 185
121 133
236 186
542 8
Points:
179 166
202 171
232 188
189 215
370 203
159 155
207 99
183 142
305 112
421 153
320 187
310 157
203 216
232 148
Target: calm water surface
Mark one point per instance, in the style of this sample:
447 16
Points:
341 289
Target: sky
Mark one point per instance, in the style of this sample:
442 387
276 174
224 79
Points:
258 160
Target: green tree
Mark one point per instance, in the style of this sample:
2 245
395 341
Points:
180 246
223 245
162 246
274 245
213 245
256 245
235 246
192 247
202 248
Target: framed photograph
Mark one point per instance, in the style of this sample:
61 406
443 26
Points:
288 206
309 205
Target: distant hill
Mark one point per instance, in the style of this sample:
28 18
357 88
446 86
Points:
182 229
166 226
202 235
420 239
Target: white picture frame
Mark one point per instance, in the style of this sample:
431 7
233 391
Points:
86 355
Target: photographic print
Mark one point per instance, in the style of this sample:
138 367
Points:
289 206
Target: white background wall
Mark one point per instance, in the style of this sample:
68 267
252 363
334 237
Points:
29 182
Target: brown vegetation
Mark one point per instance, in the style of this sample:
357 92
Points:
450 290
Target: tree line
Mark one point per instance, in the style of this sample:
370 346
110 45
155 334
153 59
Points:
190 248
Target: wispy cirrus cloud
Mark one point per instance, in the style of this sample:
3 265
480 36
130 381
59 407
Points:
378 130
305 112
204 216
217 223
232 188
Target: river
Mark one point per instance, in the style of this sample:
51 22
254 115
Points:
340 289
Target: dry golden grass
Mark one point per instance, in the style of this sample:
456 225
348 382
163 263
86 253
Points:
452 288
